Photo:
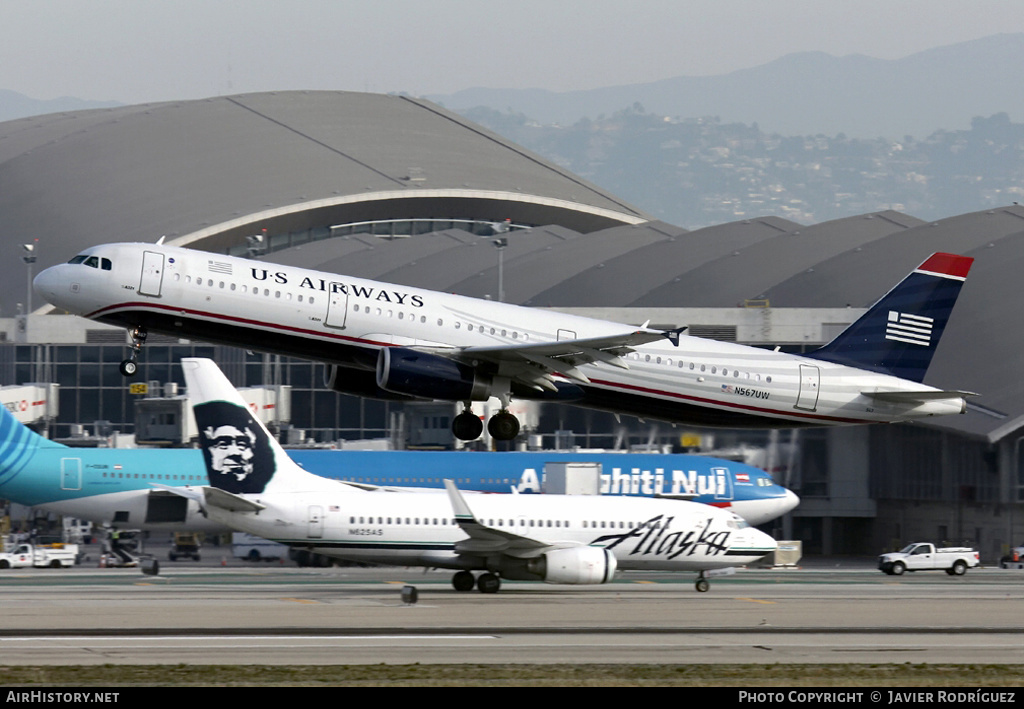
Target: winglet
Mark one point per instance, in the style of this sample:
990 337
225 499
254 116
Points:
673 335
462 512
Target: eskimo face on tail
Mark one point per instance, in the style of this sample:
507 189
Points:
236 449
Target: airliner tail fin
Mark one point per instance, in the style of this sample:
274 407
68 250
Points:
899 334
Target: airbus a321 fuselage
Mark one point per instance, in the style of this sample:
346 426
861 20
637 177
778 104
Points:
579 539
396 342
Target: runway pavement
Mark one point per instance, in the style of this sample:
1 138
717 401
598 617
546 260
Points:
271 614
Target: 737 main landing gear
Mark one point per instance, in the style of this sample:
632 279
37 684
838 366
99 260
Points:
485 583
131 365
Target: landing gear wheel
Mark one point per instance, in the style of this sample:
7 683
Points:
702 585
463 581
467 426
503 426
488 583
130 366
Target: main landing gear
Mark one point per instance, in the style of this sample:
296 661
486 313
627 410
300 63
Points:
502 426
467 426
485 583
131 365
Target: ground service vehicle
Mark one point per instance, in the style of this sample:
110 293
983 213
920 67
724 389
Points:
1013 560
186 546
922 556
253 548
25 555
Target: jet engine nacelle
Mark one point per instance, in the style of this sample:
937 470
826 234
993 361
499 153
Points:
358 382
428 376
579 565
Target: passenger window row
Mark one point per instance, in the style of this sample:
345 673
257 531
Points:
702 368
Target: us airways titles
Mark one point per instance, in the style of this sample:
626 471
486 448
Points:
320 284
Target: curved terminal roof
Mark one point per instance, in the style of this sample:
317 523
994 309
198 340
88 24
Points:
208 173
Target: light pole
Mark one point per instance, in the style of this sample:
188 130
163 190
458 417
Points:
29 257
500 243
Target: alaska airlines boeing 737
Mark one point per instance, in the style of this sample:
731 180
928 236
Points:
394 342
569 539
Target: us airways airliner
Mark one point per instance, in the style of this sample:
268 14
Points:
255 488
393 342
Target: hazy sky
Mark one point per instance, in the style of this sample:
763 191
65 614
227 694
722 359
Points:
141 50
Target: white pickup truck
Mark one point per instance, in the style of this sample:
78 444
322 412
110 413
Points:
55 557
922 556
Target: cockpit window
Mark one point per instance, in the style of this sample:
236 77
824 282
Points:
93 261
737 522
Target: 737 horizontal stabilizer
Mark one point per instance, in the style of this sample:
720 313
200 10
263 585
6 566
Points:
212 497
215 497
899 334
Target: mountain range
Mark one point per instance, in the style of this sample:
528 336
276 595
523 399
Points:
14 105
807 93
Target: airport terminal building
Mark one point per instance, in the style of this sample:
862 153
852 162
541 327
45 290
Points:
401 190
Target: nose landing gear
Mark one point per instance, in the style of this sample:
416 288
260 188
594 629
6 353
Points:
131 365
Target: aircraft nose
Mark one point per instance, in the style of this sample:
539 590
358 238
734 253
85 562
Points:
760 541
52 283
790 501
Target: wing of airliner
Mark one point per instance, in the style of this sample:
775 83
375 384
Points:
534 364
487 540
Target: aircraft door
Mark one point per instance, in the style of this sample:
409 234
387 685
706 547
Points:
807 397
152 273
337 306
70 473
316 522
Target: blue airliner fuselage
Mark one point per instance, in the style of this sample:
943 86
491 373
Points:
125 487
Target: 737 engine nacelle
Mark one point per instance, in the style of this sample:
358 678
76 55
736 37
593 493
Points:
579 565
406 371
